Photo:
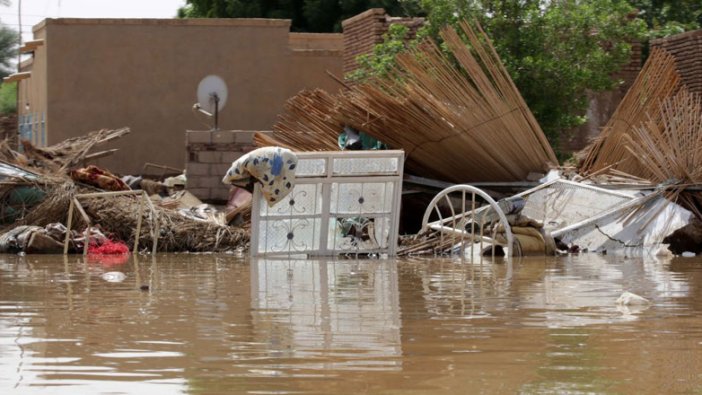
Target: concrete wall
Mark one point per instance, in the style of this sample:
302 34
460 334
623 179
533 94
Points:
32 104
143 73
210 154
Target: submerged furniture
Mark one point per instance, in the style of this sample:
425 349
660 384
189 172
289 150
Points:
342 202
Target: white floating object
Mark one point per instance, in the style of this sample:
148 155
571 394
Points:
631 299
663 251
688 254
114 277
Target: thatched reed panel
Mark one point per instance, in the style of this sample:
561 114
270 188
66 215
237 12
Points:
668 147
459 117
657 81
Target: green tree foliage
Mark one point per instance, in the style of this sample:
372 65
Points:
8 50
555 51
381 61
8 98
667 17
306 15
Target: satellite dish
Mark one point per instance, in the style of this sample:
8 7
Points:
212 93
211 97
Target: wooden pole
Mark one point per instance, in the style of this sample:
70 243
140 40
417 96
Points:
69 222
140 214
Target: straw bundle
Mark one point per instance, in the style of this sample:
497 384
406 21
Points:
53 208
70 152
459 117
668 147
306 124
425 244
657 81
116 215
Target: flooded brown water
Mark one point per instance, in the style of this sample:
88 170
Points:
205 324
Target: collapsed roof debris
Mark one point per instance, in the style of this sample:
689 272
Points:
657 81
455 124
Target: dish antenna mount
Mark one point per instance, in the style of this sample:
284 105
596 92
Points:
211 97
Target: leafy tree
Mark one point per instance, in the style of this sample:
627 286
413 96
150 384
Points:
667 17
8 50
8 98
306 15
555 51
381 61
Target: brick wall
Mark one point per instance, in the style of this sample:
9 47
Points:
631 70
602 105
363 31
209 156
686 48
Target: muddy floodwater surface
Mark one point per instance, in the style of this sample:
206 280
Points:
205 324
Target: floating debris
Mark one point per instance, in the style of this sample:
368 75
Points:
114 277
631 299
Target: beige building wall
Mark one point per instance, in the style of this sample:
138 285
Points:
143 73
31 108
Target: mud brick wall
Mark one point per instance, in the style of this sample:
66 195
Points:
686 48
631 70
209 156
363 31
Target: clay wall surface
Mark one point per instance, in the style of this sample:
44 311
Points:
143 73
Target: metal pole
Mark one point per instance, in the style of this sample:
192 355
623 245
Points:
19 37
216 112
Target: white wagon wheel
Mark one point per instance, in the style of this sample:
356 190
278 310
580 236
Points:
456 223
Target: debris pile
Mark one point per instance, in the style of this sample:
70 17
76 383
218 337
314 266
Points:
460 119
457 116
40 184
457 125
670 149
657 81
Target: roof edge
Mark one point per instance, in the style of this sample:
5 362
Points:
228 22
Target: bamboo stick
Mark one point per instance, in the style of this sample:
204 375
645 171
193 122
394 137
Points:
461 124
657 81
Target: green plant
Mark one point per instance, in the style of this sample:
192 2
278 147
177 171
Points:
8 98
555 51
381 61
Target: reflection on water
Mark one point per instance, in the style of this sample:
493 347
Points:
332 315
223 324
